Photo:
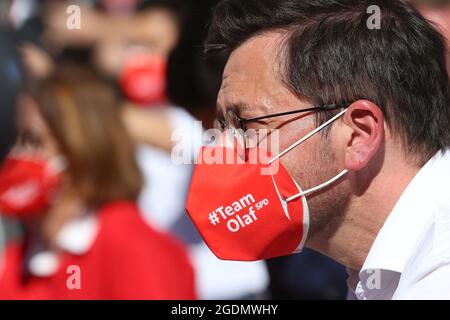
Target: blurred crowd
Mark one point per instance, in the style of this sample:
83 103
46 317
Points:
96 110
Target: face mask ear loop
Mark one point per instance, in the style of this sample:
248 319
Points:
319 187
309 135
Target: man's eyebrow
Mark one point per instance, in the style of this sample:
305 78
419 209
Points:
237 108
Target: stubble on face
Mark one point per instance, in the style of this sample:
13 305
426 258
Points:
327 206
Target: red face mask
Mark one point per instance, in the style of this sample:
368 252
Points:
253 210
28 187
143 80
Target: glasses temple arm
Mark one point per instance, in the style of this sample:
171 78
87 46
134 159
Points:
322 108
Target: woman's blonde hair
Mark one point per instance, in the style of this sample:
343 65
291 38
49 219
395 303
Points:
82 112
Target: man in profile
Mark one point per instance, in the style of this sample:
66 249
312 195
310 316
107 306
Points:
388 218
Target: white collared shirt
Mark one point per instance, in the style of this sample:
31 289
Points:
410 257
77 236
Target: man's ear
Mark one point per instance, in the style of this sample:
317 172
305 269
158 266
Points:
365 132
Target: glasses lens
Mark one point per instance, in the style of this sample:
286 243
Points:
219 125
235 133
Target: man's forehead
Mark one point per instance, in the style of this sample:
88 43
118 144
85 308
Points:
252 70
258 51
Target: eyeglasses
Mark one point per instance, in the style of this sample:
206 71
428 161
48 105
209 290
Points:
232 122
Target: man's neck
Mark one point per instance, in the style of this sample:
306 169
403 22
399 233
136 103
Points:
348 240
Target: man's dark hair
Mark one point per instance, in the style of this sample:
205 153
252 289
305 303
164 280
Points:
332 56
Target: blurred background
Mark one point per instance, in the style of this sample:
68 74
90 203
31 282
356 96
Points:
107 97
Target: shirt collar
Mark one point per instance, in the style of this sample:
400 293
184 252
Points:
402 229
76 237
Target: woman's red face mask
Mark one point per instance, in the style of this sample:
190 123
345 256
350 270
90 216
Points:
28 186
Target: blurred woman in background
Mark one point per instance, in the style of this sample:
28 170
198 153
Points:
73 182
